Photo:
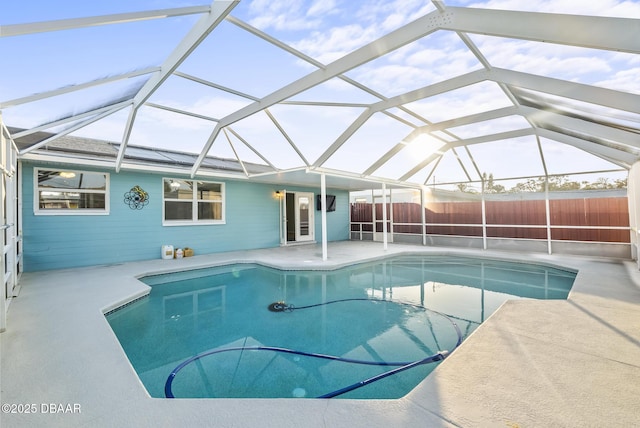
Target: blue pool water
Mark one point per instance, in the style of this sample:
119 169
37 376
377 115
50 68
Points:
199 331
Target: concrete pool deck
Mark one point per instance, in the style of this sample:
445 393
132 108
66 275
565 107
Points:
573 363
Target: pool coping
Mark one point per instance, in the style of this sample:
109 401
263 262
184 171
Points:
58 347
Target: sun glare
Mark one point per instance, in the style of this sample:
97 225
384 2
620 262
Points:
422 146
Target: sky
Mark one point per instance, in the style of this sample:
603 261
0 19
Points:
324 30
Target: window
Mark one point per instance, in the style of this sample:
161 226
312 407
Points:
71 192
188 202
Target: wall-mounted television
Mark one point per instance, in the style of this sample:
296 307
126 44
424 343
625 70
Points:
331 202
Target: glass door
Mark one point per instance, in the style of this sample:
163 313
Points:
304 217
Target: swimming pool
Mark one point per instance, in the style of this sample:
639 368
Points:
210 333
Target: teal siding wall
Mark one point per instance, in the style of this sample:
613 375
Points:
64 241
337 230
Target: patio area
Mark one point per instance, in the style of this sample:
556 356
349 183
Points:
573 363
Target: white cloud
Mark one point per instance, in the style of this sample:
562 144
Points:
290 15
401 11
623 80
564 62
329 46
461 102
436 58
393 20
339 28
322 7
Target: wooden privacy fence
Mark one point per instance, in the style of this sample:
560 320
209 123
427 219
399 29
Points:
584 219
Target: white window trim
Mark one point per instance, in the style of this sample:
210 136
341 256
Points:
91 211
194 201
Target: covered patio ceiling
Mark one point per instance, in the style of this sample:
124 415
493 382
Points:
405 93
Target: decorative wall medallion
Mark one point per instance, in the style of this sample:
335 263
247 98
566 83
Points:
136 198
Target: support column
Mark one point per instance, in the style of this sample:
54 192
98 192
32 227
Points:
280 218
391 214
3 286
373 215
633 198
283 217
384 216
547 212
423 218
484 218
323 204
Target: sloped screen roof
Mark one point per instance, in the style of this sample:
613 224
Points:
404 92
